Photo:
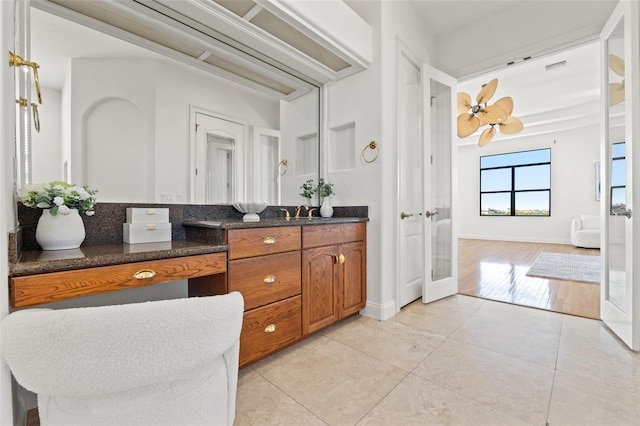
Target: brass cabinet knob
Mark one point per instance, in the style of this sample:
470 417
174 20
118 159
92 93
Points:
269 279
341 258
270 328
269 240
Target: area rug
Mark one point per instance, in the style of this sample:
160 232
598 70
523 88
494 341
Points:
570 267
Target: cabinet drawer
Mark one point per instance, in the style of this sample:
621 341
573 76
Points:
261 241
324 235
56 286
270 328
265 279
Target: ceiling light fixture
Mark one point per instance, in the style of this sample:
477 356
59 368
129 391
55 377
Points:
472 117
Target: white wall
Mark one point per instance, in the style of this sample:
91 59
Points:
176 88
368 99
299 125
46 146
94 82
163 91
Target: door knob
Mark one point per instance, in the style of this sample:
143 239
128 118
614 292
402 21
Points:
403 215
429 214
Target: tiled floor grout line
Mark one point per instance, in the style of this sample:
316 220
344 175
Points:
292 398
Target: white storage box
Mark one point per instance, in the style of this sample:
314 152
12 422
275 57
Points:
151 215
133 233
140 248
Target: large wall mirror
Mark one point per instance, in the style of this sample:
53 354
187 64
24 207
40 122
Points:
139 126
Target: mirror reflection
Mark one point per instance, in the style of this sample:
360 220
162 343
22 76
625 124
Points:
142 127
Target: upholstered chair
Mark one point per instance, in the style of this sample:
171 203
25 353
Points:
169 362
585 231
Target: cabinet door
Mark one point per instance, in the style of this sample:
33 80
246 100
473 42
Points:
320 275
353 281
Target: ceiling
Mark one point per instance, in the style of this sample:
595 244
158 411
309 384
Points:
444 16
474 36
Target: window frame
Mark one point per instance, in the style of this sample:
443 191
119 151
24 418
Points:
512 192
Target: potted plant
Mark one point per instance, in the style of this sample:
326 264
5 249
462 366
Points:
325 190
308 190
60 225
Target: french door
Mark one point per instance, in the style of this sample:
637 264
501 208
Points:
440 242
620 289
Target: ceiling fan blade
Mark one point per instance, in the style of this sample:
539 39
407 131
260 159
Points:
467 124
616 64
511 126
492 115
616 93
487 91
486 136
505 104
464 102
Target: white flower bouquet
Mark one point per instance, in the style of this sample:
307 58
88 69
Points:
59 197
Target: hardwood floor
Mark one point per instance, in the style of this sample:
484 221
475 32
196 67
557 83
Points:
496 270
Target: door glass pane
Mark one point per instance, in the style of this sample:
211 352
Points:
615 287
219 184
441 130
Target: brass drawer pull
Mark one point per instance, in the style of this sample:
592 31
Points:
144 274
341 258
269 279
269 240
270 328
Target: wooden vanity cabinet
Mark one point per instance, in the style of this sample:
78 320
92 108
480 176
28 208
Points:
333 273
295 280
264 265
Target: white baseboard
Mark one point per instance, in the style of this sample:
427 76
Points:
379 312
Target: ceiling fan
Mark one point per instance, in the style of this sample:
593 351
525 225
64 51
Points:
472 117
616 90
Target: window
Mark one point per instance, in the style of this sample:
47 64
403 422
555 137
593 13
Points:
516 184
618 176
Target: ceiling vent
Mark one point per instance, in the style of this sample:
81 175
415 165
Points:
555 66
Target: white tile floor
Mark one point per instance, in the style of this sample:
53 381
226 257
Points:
458 361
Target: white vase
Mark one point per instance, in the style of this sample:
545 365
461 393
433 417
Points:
326 209
60 232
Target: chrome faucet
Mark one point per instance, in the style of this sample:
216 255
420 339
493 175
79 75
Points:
299 209
287 216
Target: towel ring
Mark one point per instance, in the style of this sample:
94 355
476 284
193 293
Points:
284 163
36 115
373 146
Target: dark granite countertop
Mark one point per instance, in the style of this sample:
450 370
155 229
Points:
270 222
90 256
196 229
